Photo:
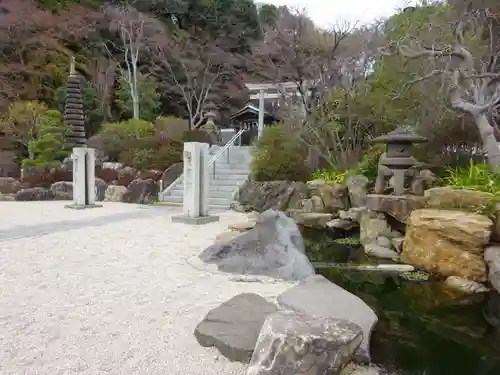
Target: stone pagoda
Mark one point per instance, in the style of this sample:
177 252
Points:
73 111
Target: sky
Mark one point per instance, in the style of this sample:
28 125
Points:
325 13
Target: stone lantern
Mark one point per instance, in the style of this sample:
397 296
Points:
209 127
397 160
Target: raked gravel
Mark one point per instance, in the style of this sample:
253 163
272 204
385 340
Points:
109 291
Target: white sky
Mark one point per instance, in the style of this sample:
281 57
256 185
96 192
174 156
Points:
327 12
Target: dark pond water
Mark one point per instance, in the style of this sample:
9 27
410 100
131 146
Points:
423 329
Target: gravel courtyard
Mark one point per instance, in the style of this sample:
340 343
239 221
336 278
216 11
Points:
108 291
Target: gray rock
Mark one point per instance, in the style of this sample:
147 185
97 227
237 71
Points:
397 243
114 193
353 213
382 252
34 194
100 189
233 327
141 192
309 297
342 224
355 369
357 187
9 185
62 190
465 286
492 258
274 247
372 226
384 242
292 343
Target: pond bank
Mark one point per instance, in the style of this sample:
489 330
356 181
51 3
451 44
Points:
423 327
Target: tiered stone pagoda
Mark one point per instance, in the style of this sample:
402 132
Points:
73 111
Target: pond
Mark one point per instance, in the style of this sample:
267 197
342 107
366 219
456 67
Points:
423 328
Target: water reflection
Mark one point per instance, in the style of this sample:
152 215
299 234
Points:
423 329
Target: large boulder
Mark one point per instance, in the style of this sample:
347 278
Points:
448 198
334 196
9 185
234 326
292 343
100 189
308 297
274 247
62 190
279 195
449 243
141 191
126 176
115 193
34 194
492 258
399 207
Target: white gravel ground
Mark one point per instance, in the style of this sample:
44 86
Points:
108 291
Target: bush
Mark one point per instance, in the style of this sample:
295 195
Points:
172 127
124 135
152 153
279 155
368 166
197 135
50 147
473 177
331 176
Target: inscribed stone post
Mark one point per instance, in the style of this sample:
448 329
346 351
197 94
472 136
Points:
196 183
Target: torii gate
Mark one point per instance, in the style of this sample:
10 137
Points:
259 91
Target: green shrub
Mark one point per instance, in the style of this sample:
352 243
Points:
50 147
473 177
368 166
279 155
331 176
120 136
152 153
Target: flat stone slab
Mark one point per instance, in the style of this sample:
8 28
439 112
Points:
319 297
234 326
82 206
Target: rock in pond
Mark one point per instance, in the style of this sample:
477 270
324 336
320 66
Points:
274 247
291 343
492 258
448 243
234 326
316 296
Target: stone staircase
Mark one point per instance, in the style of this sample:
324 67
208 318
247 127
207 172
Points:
232 168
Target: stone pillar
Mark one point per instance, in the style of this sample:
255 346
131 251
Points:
196 185
84 191
260 128
204 178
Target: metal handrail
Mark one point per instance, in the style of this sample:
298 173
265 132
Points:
211 162
226 147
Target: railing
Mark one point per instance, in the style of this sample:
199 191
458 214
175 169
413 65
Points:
226 149
211 162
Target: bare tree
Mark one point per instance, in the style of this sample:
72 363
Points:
472 79
103 78
317 62
194 79
136 31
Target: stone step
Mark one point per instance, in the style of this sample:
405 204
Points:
211 200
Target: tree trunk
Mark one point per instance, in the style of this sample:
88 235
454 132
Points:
489 141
